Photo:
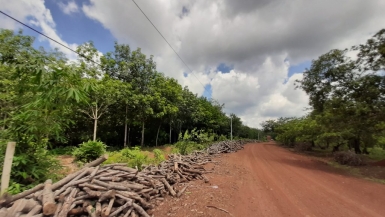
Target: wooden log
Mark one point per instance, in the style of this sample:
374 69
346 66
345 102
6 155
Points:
91 211
140 210
109 186
94 172
181 191
107 174
114 164
170 189
107 195
67 203
97 161
7 166
96 187
71 182
3 211
49 205
98 209
107 210
130 185
128 212
59 205
126 169
34 211
193 171
76 211
120 209
68 178
113 179
92 193
7 199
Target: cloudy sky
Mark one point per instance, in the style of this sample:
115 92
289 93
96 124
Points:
244 53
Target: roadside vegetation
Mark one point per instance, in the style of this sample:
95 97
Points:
346 118
116 102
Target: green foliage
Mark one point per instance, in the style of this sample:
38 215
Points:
376 153
30 167
89 151
136 158
158 156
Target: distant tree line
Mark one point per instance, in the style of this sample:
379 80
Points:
346 97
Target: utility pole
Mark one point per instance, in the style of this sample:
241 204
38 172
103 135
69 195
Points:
231 125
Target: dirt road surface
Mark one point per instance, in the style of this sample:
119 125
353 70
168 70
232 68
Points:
266 180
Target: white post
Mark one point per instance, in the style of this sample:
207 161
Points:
5 177
231 125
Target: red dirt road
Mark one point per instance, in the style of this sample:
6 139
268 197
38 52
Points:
266 180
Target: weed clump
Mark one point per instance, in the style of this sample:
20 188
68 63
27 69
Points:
348 158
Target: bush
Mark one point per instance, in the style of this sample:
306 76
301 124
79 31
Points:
348 158
158 156
135 157
89 151
301 147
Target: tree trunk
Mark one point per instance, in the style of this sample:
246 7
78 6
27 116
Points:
142 141
356 144
128 135
125 129
170 132
157 135
95 127
95 121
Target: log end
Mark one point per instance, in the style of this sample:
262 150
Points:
49 208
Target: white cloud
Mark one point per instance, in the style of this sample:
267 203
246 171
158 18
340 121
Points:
69 8
256 37
35 14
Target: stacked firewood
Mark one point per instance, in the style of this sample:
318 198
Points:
114 189
228 146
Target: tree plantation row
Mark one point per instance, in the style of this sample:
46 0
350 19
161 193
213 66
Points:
119 98
347 101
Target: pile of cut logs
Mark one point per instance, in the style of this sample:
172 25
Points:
228 146
114 189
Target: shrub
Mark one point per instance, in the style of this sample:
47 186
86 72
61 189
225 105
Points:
115 157
158 156
89 151
136 158
301 147
348 158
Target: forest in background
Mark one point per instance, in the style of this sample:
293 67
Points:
118 98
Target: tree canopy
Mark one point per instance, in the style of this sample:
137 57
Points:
347 97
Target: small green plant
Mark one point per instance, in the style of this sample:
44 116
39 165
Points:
158 156
88 151
136 158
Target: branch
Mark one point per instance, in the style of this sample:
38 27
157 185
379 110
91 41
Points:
87 113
